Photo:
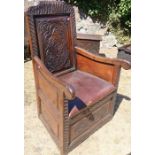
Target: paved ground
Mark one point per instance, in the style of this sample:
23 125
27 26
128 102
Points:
111 139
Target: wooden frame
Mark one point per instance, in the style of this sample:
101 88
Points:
53 94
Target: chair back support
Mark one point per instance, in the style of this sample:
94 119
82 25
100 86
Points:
52 34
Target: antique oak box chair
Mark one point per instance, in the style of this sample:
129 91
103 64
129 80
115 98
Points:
75 89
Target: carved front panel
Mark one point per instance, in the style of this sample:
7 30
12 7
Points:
53 41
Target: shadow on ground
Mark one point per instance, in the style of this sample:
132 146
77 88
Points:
119 99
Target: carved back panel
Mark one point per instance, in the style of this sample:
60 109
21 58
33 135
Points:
52 34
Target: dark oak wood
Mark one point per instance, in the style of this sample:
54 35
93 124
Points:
88 42
52 39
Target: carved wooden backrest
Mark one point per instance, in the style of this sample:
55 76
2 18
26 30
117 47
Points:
52 34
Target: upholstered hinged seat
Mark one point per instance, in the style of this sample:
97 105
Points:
89 89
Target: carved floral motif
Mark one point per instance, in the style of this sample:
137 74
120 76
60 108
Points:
53 34
44 12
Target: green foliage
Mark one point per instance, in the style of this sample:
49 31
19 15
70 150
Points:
120 16
115 12
97 9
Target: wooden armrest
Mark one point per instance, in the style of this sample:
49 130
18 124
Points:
119 62
67 89
104 68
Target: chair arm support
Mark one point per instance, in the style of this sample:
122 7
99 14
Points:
113 61
104 68
66 88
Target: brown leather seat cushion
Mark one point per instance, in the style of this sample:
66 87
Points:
88 88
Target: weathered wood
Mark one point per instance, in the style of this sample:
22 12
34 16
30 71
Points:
52 39
89 42
82 36
52 34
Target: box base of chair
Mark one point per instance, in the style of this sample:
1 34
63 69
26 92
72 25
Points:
82 125
95 117
88 133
